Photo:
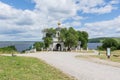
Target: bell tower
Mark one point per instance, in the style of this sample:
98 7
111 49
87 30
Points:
58 30
57 44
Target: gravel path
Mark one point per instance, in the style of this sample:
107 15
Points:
80 69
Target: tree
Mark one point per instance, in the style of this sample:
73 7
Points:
50 32
83 42
47 41
63 33
110 43
71 40
83 37
38 45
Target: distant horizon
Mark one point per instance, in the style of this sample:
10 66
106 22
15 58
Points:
42 40
23 20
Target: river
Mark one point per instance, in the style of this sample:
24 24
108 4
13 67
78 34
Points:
23 45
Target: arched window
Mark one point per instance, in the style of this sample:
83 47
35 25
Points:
58 34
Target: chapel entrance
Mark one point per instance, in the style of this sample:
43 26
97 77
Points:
58 47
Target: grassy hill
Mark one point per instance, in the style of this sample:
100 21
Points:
101 39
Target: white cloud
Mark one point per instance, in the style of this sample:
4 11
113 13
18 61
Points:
77 18
8 12
46 13
114 1
102 10
97 6
57 8
18 24
108 28
91 3
74 23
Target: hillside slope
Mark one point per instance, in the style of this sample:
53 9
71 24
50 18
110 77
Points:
101 39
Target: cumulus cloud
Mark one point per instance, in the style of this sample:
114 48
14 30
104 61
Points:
18 24
114 1
46 13
97 6
108 28
78 18
57 8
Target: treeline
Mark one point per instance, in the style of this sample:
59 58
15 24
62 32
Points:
8 49
95 40
101 39
69 36
110 43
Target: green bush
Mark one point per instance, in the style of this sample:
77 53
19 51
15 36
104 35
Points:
118 47
113 48
38 45
110 43
100 48
9 49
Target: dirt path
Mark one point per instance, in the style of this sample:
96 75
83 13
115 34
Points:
81 69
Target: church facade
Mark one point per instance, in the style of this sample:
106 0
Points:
58 45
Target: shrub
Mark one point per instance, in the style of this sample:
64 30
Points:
38 45
9 49
100 48
110 43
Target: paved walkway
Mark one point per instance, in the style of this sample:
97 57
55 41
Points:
80 69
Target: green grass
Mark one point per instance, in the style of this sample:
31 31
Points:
112 58
85 51
24 68
115 56
116 52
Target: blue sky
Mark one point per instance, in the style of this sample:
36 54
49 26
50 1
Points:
24 20
20 4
